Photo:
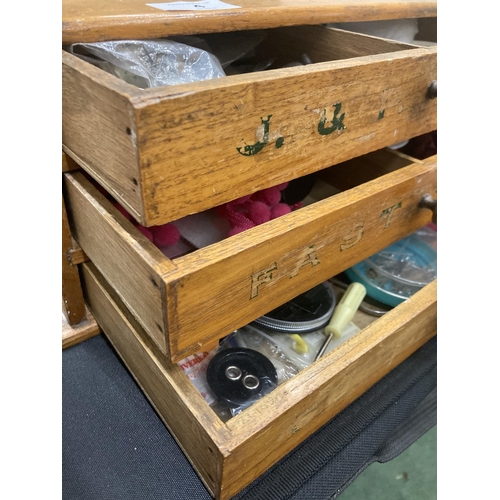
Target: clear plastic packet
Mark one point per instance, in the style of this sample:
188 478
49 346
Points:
400 270
195 367
250 363
274 348
294 352
150 63
428 235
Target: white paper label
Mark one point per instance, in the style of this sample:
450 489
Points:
202 5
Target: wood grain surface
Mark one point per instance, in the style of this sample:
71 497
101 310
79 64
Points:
169 152
229 456
72 296
124 255
382 97
277 423
97 20
191 302
97 118
68 164
227 285
75 334
193 424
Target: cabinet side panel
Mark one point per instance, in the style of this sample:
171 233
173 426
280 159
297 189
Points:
172 394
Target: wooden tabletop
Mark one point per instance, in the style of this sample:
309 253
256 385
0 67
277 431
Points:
98 20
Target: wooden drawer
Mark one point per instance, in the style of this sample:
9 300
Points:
167 152
99 21
188 303
229 456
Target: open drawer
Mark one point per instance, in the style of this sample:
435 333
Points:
187 304
230 455
168 152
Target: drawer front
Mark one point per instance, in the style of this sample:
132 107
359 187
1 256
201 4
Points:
230 456
135 19
169 152
194 300
229 285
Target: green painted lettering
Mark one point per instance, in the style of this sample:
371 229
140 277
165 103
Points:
337 122
253 149
387 214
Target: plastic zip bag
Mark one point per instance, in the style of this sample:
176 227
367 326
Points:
151 63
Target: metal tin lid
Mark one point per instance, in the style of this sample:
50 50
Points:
307 312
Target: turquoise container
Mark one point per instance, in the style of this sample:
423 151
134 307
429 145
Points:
394 274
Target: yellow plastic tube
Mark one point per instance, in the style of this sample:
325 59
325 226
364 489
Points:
345 310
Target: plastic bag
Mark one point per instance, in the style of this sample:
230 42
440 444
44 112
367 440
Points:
288 349
195 368
254 338
280 349
151 63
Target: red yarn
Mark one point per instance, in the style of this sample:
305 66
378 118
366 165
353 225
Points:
146 232
241 200
162 236
166 235
259 212
221 211
282 186
237 229
237 218
270 196
249 211
279 210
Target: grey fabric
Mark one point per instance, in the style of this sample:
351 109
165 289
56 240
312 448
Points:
423 418
115 446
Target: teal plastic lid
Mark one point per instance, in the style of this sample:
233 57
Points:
394 274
